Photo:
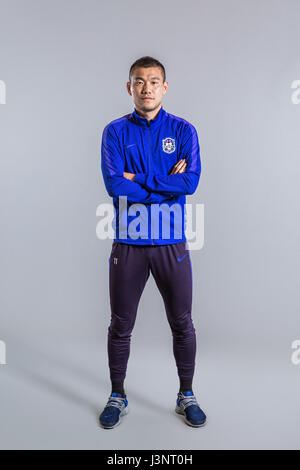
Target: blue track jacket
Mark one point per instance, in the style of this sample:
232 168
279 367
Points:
151 209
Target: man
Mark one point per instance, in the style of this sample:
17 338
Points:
152 159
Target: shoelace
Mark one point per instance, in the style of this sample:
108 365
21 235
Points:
187 401
115 401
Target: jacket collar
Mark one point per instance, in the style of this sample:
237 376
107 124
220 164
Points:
144 122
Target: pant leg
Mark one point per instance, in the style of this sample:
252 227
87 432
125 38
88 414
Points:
172 270
128 273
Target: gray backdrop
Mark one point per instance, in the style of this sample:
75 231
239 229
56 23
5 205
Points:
230 66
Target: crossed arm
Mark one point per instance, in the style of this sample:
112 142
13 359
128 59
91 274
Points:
150 188
179 167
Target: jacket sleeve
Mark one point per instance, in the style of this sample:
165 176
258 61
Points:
112 166
179 183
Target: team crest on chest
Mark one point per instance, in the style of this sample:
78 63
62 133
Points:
168 145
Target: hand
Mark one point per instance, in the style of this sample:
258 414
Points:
129 176
179 167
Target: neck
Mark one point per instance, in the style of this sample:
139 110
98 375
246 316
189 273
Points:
150 114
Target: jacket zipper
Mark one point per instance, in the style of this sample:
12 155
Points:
149 147
149 163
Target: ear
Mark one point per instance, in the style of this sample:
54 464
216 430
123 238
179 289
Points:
128 84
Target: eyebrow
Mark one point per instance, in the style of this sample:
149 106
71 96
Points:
140 78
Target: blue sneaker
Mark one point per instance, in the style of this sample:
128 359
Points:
116 407
186 405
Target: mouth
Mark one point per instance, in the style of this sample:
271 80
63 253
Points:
146 99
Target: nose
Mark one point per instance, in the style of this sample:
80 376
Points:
146 89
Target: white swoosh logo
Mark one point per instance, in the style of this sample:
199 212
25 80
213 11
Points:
130 145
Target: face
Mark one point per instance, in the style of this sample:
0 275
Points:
147 88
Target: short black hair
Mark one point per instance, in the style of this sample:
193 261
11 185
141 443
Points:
147 61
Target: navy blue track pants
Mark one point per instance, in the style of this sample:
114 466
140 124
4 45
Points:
129 270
